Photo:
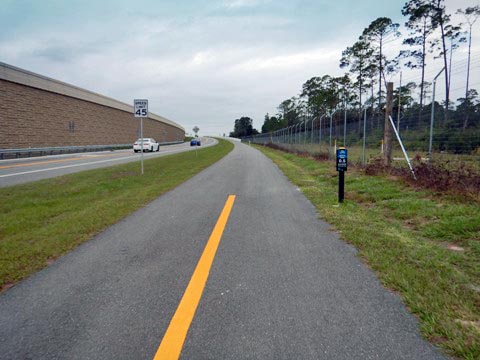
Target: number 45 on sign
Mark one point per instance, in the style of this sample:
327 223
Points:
140 107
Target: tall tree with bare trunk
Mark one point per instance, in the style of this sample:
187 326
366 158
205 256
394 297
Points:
379 32
420 26
471 15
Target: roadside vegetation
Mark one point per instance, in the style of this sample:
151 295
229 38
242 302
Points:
423 245
446 173
43 220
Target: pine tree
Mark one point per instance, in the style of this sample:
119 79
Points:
419 15
358 59
377 33
471 15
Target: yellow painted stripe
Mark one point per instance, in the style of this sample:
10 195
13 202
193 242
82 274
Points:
172 343
51 161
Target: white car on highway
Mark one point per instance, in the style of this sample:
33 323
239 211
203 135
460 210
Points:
149 144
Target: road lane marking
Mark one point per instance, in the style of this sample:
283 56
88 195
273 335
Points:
172 342
65 167
84 164
48 162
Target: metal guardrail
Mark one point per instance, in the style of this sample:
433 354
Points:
31 152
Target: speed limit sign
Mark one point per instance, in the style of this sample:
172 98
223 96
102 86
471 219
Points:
140 110
140 107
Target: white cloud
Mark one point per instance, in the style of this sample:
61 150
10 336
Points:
243 3
287 61
203 58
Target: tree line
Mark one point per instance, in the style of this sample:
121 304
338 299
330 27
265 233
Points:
430 30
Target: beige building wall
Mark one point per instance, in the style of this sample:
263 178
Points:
36 111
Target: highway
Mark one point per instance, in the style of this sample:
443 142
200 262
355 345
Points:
19 171
275 283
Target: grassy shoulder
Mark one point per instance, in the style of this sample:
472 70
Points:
423 246
43 220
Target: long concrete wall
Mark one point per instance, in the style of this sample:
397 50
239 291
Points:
36 111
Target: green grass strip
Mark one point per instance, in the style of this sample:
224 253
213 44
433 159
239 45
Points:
407 237
43 220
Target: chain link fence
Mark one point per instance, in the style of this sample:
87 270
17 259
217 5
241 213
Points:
449 138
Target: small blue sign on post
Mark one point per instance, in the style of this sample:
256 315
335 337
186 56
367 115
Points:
342 159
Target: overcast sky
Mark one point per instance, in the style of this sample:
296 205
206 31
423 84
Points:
203 63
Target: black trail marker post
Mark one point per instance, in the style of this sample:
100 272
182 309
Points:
342 163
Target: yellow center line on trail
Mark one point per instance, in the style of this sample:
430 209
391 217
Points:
53 161
172 342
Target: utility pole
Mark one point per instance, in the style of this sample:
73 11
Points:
399 103
387 135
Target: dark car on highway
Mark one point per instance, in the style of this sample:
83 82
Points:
195 142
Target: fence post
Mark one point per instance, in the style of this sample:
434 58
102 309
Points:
387 135
311 134
364 132
345 123
305 121
320 131
330 141
433 116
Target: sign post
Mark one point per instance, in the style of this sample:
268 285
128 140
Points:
196 129
140 109
342 164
